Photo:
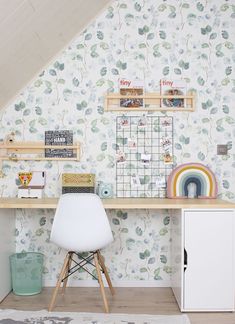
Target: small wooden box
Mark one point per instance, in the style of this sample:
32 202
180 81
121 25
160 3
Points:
78 182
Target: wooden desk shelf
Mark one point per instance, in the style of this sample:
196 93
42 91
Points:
35 151
152 102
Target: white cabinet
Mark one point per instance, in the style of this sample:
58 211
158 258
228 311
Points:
203 260
7 247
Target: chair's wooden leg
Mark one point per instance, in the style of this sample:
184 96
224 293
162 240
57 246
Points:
102 264
67 272
106 307
62 273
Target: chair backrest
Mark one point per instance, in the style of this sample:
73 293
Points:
81 223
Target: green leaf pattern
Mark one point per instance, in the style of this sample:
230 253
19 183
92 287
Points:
190 40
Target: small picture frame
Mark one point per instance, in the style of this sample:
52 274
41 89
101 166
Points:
142 122
124 122
121 157
145 159
131 143
166 122
160 182
165 143
167 158
135 180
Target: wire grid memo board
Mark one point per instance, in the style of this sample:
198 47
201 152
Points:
144 157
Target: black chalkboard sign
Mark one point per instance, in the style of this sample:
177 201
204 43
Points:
60 137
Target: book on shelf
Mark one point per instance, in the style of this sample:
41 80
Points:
173 88
60 137
131 88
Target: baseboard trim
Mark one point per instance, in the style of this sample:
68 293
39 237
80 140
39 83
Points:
121 283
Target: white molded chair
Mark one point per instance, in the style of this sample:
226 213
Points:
81 225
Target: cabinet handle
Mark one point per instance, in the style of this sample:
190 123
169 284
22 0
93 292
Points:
185 259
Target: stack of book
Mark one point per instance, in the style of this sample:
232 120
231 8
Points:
131 88
173 88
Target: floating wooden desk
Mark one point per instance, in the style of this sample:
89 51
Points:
123 203
201 228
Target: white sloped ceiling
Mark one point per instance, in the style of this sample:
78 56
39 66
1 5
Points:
32 32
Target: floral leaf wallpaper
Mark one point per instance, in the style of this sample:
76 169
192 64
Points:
146 39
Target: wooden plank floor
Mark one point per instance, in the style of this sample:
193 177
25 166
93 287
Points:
126 300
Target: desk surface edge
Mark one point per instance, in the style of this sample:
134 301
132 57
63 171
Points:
123 203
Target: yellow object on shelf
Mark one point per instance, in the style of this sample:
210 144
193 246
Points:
78 180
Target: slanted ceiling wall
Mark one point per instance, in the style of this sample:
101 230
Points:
32 32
